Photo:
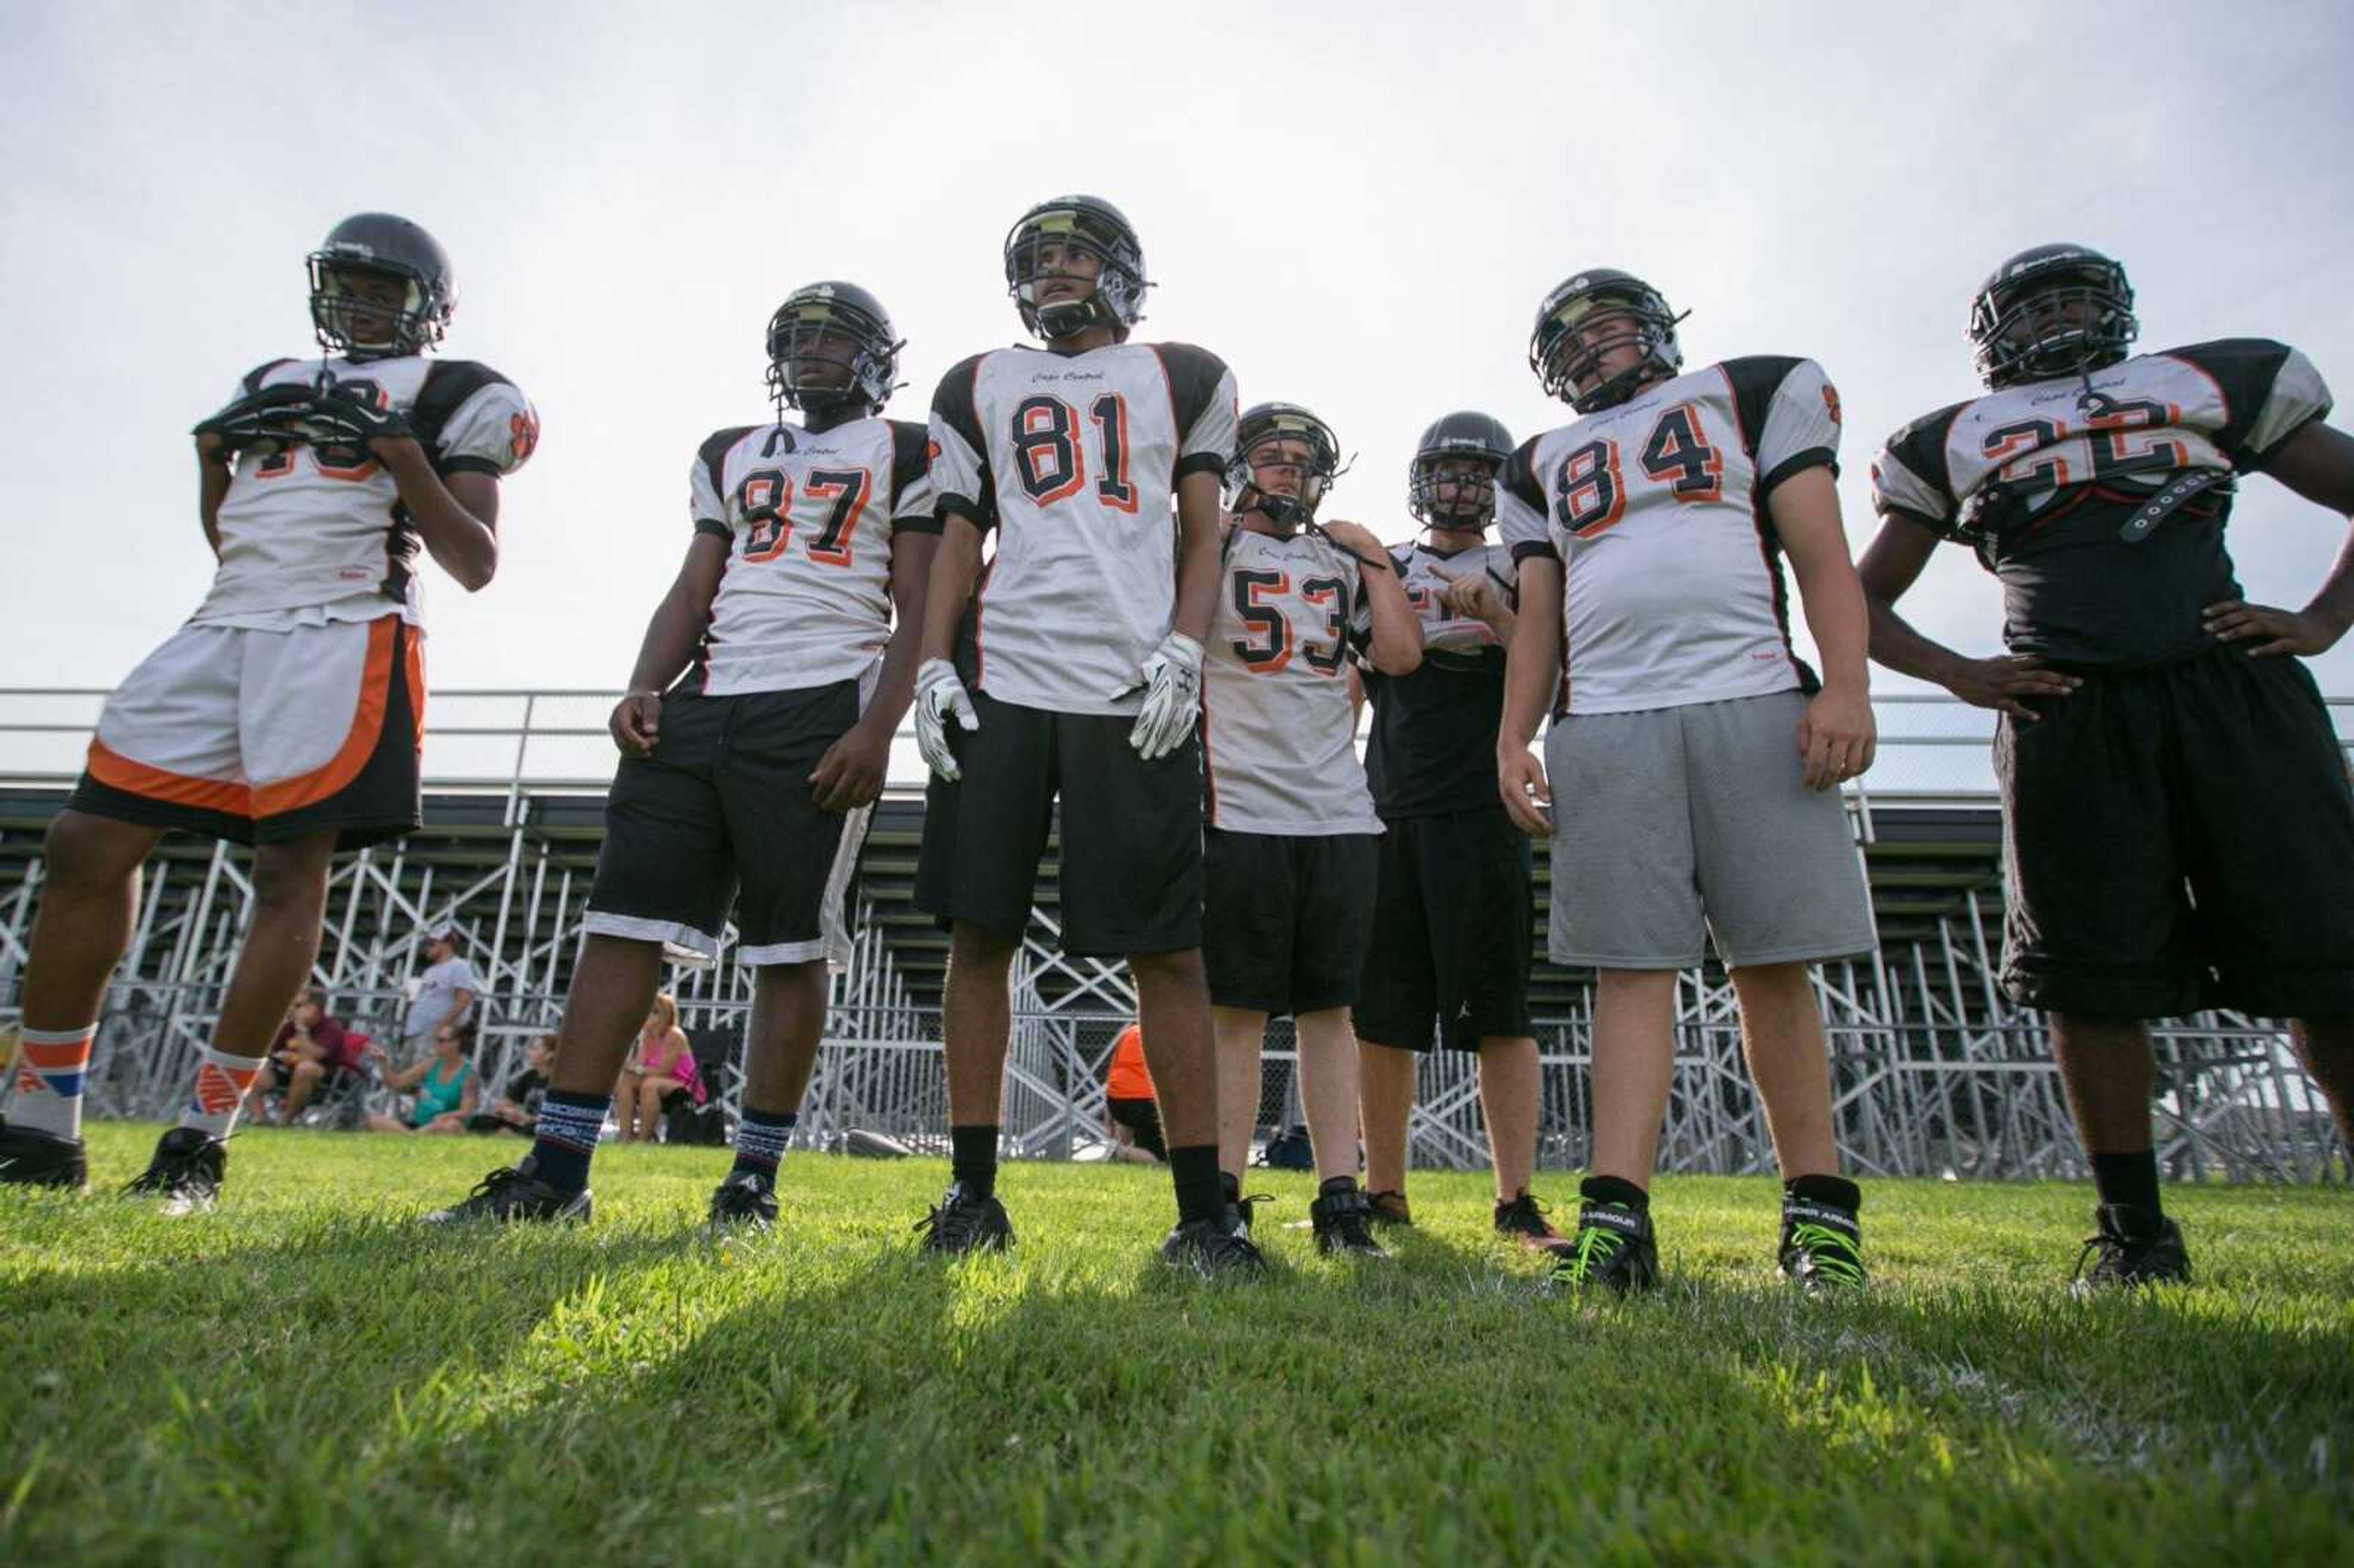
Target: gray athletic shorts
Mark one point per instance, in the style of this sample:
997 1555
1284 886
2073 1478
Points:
1677 824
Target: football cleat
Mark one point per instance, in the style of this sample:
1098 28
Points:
515 1193
30 1159
1822 1248
1522 1218
965 1223
1390 1209
746 1201
1615 1249
2132 1247
1237 1205
1212 1248
1342 1221
185 1172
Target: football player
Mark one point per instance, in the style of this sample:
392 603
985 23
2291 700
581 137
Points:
1447 961
1288 852
287 713
753 739
1081 679
1695 762
2178 832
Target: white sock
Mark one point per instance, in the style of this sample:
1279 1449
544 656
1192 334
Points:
222 1081
51 1065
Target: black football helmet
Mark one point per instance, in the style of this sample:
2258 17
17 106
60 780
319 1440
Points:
1559 357
380 242
836 326
1117 301
1264 422
2051 311
1467 439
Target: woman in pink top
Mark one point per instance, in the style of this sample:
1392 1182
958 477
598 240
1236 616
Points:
663 1069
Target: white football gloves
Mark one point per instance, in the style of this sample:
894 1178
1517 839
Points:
938 695
1171 683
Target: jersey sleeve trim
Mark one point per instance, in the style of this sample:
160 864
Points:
1193 376
1797 463
1201 462
1533 550
465 464
716 529
713 455
253 379
916 523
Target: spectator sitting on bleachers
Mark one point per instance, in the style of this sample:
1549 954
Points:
663 1069
517 1108
1131 1114
310 1048
447 1088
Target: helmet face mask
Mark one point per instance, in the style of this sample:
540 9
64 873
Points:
1283 435
2053 310
352 317
831 348
1589 318
1041 249
1451 483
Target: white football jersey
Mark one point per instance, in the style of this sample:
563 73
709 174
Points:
809 519
1673 589
1074 460
1279 736
318 533
1423 572
2045 478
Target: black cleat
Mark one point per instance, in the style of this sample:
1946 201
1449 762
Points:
746 1201
966 1222
1822 1248
1342 1221
1615 1249
30 1159
1390 1209
1212 1247
1522 1218
187 1172
2133 1247
512 1193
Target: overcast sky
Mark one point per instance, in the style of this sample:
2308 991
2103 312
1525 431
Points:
1357 206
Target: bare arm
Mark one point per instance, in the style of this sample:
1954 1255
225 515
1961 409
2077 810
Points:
955 566
1892 564
1531 663
852 771
2317 463
1837 736
1396 645
1198 530
215 466
456 516
673 633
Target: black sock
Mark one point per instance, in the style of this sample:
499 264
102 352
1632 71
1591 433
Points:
972 1160
1836 1191
1335 1186
566 1137
2128 1179
1612 1189
1201 1185
1231 1186
760 1141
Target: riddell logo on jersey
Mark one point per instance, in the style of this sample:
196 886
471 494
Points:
354 574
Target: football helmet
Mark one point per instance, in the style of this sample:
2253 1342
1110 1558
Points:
838 325
1095 225
1469 438
2051 311
1560 356
1264 422
380 242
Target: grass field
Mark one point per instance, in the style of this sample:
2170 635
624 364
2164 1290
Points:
302 1376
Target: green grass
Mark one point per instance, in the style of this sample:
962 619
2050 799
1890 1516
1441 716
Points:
303 1376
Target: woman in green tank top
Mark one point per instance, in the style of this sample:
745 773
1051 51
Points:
445 1084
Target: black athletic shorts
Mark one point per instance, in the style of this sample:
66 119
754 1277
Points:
1454 922
2177 839
1284 919
721 814
1131 865
1141 1117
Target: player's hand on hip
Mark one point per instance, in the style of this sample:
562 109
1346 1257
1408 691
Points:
850 774
1837 737
1172 681
2282 630
636 722
1520 780
939 697
2004 684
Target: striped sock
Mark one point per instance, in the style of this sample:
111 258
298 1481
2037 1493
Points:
50 1066
219 1092
569 1125
761 1138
